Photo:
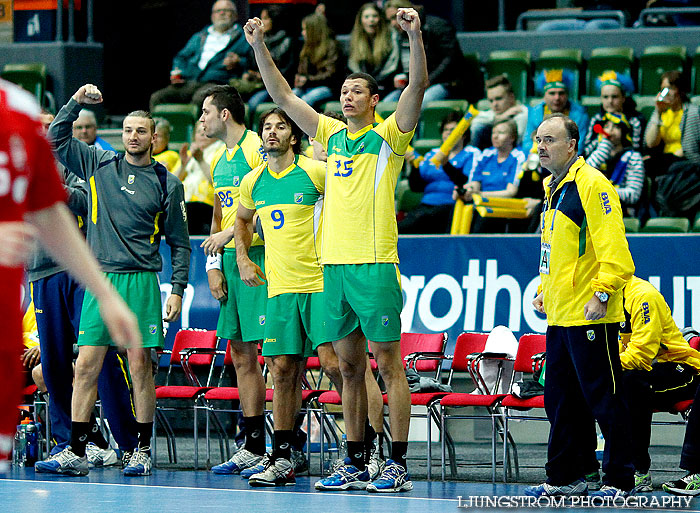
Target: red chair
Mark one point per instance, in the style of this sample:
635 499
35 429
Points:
529 346
183 355
681 408
467 357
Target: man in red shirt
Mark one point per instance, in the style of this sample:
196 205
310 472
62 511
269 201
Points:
32 208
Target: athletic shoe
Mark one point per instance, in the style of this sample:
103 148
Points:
256 469
593 481
242 459
394 478
301 464
688 485
578 487
126 457
642 482
100 457
277 473
347 477
64 462
376 465
612 491
139 463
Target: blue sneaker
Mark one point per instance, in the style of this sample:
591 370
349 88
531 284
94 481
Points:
611 491
240 461
578 487
346 477
64 462
255 469
139 464
394 478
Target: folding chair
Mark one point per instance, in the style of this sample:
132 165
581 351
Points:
515 64
183 354
619 59
530 345
469 353
433 114
562 58
654 62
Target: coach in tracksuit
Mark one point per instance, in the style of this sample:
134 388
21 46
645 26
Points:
130 197
584 265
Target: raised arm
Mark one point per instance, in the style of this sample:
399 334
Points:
278 88
409 106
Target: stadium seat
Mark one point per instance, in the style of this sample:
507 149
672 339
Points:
182 117
654 62
31 76
262 107
423 146
631 224
434 113
695 85
332 107
564 58
645 105
618 59
666 225
515 64
696 223
406 199
385 109
592 104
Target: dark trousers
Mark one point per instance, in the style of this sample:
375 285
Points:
583 382
690 454
58 301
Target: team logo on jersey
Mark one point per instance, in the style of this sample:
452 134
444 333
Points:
645 312
605 203
298 197
590 334
385 320
261 320
183 208
361 149
152 329
130 179
127 190
236 181
622 325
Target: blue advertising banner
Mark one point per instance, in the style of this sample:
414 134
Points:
473 283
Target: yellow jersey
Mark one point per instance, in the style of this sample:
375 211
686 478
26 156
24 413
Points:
228 167
359 216
289 205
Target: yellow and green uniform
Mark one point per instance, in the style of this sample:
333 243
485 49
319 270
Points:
289 206
242 315
649 333
359 227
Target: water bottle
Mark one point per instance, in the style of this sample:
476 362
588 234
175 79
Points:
343 449
31 443
19 448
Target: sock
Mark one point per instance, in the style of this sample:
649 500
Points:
255 434
145 431
79 434
96 436
398 452
370 435
282 444
356 453
380 442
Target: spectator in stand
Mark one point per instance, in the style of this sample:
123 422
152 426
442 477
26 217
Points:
372 49
617 159
555 84
85 129
504 106
443 54
196 163
614 94
169 158
434 214
317 73
213 55
282 50
674 127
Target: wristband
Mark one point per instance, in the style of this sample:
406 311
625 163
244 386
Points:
213 262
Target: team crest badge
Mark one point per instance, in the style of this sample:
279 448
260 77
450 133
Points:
236 181
361 149
590 334
261 320
152 329
298 197
385 320
130 179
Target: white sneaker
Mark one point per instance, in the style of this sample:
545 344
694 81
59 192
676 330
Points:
277 473
139 464
376 465
64 462
100 457
242 459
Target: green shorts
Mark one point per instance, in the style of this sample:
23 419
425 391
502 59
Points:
294 324
364 295
242 314
141 292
